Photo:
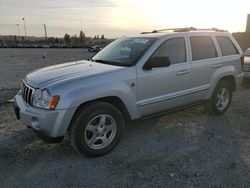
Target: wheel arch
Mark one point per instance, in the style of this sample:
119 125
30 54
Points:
229 79
114 100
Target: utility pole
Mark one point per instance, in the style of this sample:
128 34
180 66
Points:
18 29
45 31
24 26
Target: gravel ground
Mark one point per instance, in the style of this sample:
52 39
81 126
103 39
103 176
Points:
188 148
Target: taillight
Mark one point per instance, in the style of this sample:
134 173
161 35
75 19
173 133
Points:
242 61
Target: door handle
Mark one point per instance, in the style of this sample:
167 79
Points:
217 65
183 72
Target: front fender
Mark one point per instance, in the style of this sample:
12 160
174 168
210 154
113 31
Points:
75 97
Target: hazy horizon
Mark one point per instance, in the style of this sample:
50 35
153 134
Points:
118 18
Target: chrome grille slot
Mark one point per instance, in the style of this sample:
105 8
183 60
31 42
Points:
246 67
27 93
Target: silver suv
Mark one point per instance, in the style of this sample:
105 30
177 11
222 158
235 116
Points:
131 78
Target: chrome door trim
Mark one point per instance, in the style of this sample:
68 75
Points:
172 96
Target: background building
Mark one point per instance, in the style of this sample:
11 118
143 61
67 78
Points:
248 23
243 38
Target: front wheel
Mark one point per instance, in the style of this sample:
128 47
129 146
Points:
221 98
96 129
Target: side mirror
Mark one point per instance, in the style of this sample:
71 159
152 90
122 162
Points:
156 62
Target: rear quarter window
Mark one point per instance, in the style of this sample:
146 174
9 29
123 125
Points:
226 45
202 47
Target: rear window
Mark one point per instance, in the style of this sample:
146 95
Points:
226 45
202 48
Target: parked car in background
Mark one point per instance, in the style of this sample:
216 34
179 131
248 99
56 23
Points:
131 78
94 49
247 61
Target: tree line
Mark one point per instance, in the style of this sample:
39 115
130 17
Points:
82 40
74 41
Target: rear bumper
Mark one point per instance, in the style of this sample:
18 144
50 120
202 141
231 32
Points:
49 125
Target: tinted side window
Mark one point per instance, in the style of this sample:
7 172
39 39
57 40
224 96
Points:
226 45
202 47
175 49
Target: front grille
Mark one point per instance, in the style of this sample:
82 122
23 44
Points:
27 93
247 67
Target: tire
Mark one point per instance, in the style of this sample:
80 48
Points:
221 99
96 129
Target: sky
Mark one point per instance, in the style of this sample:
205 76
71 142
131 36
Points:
116 18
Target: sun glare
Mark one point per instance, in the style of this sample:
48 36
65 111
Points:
224 14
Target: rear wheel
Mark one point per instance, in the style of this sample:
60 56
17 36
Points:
96 129
221 98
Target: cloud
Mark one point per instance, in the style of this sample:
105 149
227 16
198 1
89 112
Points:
70 16
119 17
55 4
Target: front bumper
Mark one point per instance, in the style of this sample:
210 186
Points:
50 125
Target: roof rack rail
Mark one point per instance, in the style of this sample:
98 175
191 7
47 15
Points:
185 29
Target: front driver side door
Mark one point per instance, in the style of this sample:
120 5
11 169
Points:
164 88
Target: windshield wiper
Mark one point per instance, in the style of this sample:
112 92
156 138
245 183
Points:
115 63
106 62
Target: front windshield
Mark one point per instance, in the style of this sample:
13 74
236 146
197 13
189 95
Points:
124 51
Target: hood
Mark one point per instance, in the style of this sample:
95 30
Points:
66 71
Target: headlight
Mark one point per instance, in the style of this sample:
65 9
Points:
43 99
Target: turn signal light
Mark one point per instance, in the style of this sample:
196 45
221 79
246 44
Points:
54 101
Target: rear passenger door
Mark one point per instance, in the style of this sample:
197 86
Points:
204 61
